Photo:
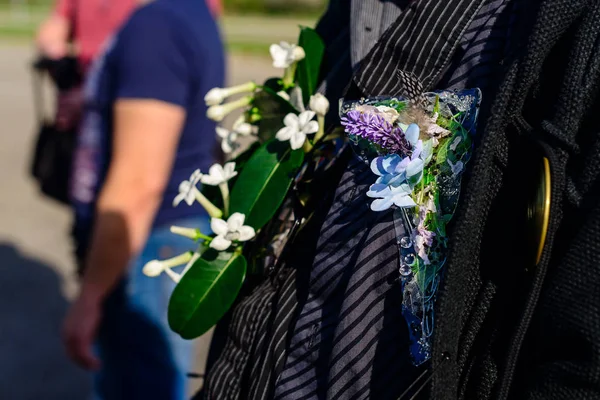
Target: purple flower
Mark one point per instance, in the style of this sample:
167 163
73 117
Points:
376 129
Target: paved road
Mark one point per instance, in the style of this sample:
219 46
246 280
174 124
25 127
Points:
36 271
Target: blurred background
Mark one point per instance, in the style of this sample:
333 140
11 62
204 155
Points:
37 273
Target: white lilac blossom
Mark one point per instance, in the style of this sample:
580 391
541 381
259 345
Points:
189 193
219 112
296 128
231 231
186 189
229 138
219 176
285 54
216 96
319 104
155 267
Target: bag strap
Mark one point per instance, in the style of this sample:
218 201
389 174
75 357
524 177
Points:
38 72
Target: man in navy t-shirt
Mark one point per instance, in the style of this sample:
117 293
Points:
144 131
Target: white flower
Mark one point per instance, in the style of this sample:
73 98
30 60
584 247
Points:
228 139
219 112
218 174
189 193
187 189
244 128
216 96
230 231
319 104
297 127
285 54
154 268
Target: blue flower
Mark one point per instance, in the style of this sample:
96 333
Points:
412 134
387 196
398 176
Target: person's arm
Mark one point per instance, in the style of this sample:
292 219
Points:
53 34
152 89
145 140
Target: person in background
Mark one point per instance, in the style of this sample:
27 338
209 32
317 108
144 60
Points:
84 23
77 29
81 27
143 132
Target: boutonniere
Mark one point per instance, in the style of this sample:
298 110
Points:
417 151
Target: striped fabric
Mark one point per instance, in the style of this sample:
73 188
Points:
411 47
350 339
334 329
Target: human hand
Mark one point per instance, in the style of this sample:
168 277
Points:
52 38
80 328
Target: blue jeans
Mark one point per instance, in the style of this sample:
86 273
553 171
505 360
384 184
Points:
141 357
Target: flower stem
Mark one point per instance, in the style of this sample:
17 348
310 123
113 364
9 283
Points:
225 193
173 275
177 261
189 265
321 131
204 237
210 208
191 233
307 147
247 87
289 75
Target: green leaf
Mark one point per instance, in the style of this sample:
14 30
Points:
205 293
265 181
442 153
273 108
307 74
